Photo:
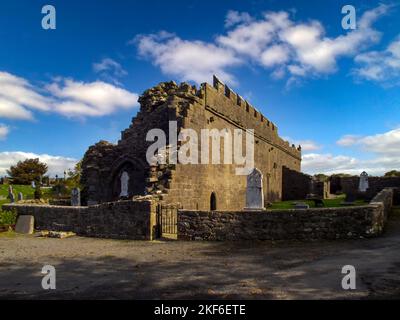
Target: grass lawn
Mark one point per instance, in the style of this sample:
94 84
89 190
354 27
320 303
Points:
329 203
26 190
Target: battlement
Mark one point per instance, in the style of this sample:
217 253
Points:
224 101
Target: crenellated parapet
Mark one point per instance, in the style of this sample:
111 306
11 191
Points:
226 103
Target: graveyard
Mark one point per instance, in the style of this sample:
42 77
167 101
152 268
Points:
138 189
118 222
199 150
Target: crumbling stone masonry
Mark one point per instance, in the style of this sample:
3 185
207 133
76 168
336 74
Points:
192 185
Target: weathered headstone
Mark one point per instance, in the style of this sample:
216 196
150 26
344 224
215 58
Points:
364 185
124 184
24 224
11 194
76 197
20 196
254 191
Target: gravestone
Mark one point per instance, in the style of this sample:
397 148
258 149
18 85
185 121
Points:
11 194
33 185
24 224
20 196
364 185
124 184
254 191
76 197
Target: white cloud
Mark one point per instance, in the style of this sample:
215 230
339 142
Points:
98 98
275 42
329 164
4 131
313 163
252 39
110 70
380 66
387 143
318 53
274 55
382 149
18 97
235 17
306 145
348 140
108 64
188 60
57 164
12 110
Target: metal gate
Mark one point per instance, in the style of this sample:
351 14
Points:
167 216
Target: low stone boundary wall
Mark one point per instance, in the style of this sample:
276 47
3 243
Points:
349 185
118 220
310 224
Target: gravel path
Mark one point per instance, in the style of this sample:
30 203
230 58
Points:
113 269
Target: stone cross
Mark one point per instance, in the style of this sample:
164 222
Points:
254 191
20 196
364 185
76 197
124 184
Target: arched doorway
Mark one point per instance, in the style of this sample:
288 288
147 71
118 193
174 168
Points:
133 174
213 202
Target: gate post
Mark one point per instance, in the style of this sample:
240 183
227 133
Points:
159 221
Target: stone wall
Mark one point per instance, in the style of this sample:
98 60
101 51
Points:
318 223
350 185
117 220
295 185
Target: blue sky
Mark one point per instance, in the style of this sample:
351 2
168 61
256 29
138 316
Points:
334 91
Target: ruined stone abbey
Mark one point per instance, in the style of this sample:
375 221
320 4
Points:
194 186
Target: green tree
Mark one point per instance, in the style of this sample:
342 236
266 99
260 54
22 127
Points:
24 172
321 177
74 176
393 173
341 175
